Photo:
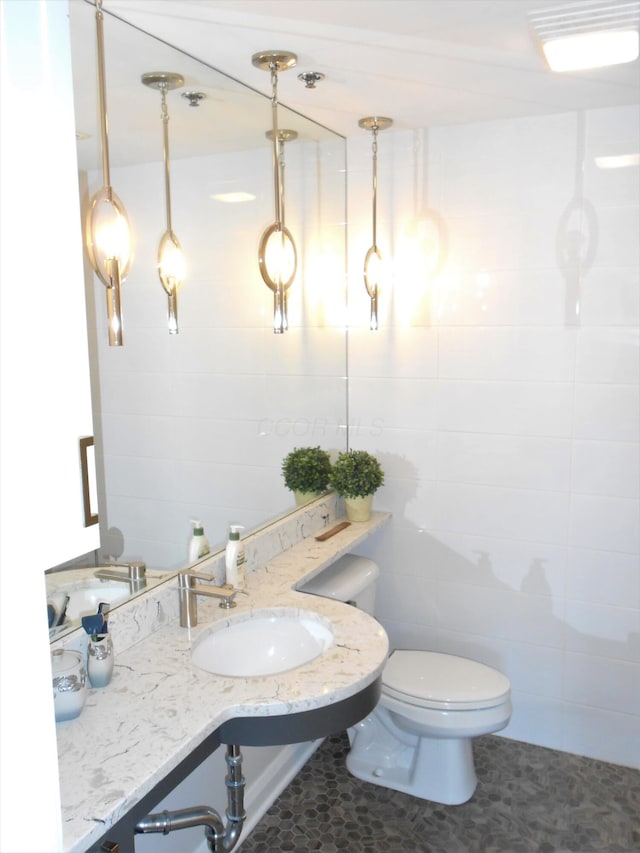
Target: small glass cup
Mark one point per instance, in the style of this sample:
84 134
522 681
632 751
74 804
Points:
69 683
100 660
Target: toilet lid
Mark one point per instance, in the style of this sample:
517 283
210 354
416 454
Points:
434 680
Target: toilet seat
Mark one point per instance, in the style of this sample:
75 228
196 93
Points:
443 682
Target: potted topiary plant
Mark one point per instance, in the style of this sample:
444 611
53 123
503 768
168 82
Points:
306 471
357 475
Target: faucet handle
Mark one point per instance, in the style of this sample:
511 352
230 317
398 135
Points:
200 576
136 569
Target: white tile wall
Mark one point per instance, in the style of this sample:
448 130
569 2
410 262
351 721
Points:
505 385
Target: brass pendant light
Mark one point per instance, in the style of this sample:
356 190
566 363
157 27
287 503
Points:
277 255
171 267
373 258
107 232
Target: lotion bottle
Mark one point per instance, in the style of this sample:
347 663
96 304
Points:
198 543
234 559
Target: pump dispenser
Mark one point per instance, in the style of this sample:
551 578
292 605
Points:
198 543
234 559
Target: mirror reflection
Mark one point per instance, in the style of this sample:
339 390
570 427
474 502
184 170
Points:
195 425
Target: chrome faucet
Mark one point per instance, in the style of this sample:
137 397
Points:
135 574
189 590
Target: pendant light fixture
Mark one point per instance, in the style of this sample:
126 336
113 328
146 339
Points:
373 258
277 256
284 136
107 232
171 268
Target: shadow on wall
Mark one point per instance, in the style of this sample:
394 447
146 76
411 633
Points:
507 609
526 613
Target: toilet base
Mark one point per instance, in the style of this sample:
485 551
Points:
437 769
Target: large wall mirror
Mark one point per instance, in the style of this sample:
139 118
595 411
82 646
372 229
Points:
195 425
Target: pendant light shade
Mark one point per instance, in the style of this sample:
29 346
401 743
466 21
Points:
373 259
277 254
171 266
107 232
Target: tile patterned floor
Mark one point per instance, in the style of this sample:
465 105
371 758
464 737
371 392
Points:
528 800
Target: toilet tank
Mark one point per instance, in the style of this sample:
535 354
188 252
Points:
351 579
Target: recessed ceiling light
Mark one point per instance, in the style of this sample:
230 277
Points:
617 161
591 34
233 197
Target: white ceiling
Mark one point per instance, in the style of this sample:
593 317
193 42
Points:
420 62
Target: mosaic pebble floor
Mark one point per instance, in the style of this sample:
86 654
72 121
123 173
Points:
528 799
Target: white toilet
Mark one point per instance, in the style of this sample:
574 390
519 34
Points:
418 738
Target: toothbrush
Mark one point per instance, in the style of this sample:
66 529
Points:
63 611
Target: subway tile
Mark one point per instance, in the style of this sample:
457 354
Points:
406 352
603 577
418 500
409 595
504 460
523 408
607 412
525 354
605 734
140 477
610 354
604 683
610 296
536 719
618 229
474 647
605 524
533 568
540 297
400 550
394 403
403 453
409 635
610 469
474 296
531 668
502 614
603 631
536 516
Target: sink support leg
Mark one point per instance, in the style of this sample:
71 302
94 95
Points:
220 838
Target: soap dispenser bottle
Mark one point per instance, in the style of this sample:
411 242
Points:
234 559
198 543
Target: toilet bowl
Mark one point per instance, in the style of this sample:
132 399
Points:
418 738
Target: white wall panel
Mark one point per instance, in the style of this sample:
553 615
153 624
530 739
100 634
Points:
507 387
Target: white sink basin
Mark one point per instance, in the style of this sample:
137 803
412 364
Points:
85 596
262 644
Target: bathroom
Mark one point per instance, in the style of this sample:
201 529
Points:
507 425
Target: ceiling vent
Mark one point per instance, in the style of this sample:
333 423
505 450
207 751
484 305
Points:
590 34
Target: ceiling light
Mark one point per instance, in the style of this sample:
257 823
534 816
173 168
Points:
233 197
618 161
590 34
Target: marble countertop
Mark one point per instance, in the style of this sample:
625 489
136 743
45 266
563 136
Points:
159 706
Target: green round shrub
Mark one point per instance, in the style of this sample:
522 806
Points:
356 473
307 469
